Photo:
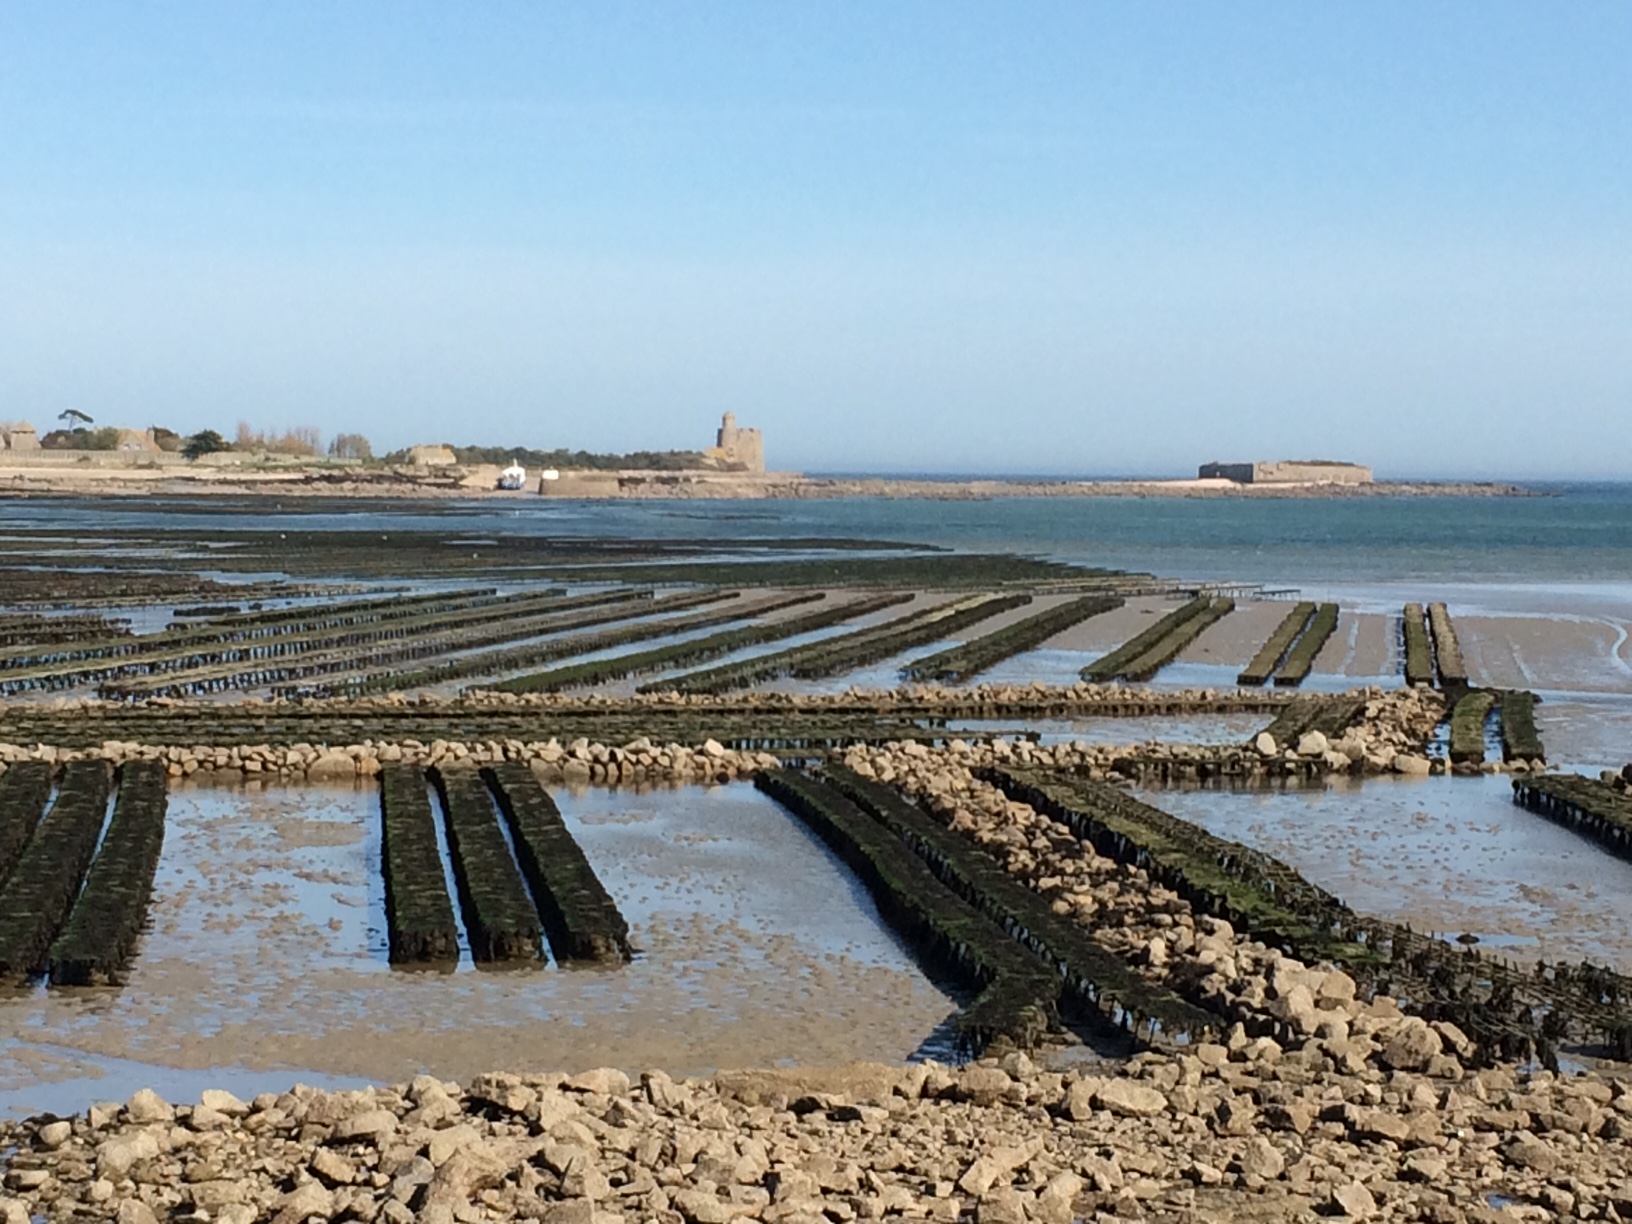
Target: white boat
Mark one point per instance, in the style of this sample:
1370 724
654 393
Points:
513 477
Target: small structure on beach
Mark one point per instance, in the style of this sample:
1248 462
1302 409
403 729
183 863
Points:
1288 471
18 436
432 455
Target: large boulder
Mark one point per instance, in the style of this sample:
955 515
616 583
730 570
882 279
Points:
1313 744
1129 1099
1411 1046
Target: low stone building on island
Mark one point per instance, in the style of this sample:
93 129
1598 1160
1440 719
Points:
1288 471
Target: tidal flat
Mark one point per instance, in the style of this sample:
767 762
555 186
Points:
266 958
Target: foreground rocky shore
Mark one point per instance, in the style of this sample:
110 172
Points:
1244 1130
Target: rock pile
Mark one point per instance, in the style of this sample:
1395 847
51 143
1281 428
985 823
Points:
1239 1131
1390 737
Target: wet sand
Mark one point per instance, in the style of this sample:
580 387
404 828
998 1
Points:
1098 634
1233 641
1586 732
1578 653
267 954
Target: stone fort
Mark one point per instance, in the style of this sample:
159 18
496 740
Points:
1288 471
737 447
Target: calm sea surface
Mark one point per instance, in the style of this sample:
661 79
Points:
1576 541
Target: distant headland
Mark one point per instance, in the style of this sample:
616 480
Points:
81 460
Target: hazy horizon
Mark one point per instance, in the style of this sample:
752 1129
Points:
961 238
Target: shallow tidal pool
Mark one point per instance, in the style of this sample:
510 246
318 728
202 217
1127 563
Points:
266 961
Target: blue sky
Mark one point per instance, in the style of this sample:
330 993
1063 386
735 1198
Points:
1074 238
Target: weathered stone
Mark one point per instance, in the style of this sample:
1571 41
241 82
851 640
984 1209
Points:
1129 1100
116 1156
372 1125
1336 990
146 1106
304 1201
333 1167
1079 1099
331 767
1376 1124
1262 1159
212 1196
1294 1116
573 1211
1001 1206
1527 1152
1424 1167
1354 1201
472 1168
1411 1046
1313 744
701 1207
1297 1008
997 1163
444 1143
607 1081
1453 1038
222 1102
982 1084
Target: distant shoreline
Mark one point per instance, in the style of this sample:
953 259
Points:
40 481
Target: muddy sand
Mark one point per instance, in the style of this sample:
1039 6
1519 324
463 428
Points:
267 953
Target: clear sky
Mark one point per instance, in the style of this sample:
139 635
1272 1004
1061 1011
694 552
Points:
1076 237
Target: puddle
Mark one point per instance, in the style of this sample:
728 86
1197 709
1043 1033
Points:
1446 855
266 961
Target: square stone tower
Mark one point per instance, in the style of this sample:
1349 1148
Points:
737 447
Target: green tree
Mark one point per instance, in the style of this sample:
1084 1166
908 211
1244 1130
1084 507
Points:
205 442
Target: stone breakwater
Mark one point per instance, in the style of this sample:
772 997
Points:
1204 958
1390 736
580 762
1243 1130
